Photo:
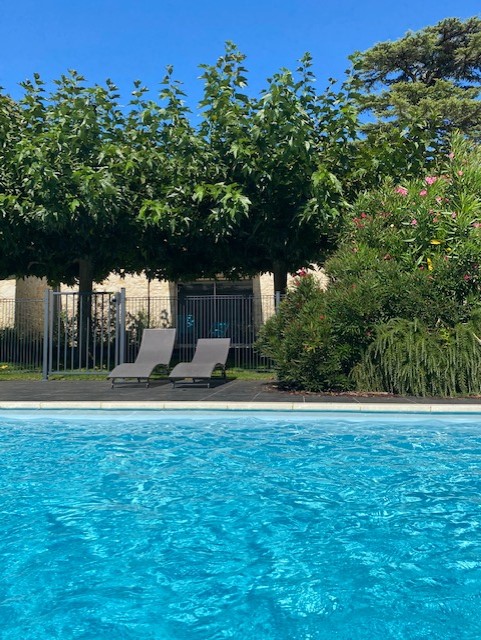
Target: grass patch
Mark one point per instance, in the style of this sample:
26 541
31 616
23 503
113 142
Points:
250 374
234 372
20 375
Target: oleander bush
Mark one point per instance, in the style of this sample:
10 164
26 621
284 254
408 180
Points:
402 310
301 341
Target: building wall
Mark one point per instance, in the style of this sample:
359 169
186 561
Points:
7 289
28 316
22 304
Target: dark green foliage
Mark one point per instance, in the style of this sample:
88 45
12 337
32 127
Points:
65 213
301 341
290 152
317 337
404 289
88 186
430 77
409 358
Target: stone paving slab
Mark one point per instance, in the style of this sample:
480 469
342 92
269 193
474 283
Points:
231 391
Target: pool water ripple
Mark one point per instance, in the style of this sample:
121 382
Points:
239 527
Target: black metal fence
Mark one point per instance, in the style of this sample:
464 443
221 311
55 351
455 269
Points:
21 335
38 335
84 334
236 317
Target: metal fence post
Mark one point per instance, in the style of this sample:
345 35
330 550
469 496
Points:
46 332
277 300
122 310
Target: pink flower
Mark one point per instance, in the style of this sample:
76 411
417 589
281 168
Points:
466 277
476 225
460 173
301 272
402 191
363 215
430 179
451 155
438 199
423 192
454 214
414 222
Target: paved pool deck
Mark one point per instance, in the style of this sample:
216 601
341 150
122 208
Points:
231 394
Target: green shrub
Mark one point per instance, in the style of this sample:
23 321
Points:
402 307
300 340
363 278
409 358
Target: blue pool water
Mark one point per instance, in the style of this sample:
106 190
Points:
243 526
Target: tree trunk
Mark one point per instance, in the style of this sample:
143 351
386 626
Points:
85 275
280 277
84 311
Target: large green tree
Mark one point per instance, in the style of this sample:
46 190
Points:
289 152
187 210
66 210
430 78
258 185
88 187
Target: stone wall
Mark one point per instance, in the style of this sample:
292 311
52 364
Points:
7 289
153 298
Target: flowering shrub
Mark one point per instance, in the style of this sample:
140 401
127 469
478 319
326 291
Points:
431 224
411 256
318 336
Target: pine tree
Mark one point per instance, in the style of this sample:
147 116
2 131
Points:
429 78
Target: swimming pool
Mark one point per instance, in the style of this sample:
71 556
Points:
239 525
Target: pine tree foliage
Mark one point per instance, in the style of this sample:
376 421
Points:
430 77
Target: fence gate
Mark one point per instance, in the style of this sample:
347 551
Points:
84 332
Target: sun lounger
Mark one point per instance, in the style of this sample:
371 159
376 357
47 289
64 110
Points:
210 354
156 349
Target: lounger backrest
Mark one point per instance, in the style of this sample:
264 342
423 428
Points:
211 351
156 344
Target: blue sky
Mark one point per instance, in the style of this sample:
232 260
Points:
135 39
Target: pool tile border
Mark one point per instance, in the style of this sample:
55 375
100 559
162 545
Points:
361 407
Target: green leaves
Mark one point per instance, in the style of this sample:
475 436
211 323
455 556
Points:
431 76
275 148
260 182
409 358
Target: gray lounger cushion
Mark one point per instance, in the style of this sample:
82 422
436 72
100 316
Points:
210 353
156 349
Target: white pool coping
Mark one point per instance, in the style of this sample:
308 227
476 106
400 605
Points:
303 407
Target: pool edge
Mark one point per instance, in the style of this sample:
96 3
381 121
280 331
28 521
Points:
361 407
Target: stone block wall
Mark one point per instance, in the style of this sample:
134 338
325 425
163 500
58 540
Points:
155 299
